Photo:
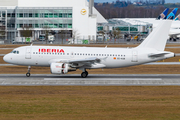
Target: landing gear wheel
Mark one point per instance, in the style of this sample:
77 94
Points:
84 74
28 74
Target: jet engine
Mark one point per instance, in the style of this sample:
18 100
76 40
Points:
61 68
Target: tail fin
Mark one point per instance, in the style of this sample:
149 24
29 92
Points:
172 15
177 18
158 37
163 14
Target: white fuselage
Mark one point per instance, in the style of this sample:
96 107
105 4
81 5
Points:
110 57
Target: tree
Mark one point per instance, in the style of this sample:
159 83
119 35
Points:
2 31
62 34
26 32
116 33
75 35
46 30
102 32
130 11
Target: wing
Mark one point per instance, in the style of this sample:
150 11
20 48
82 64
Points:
92 62
94 59
174 34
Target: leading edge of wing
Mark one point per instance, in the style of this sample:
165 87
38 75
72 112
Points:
92 59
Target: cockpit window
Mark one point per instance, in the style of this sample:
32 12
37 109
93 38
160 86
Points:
15 52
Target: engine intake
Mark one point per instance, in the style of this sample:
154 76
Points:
60 68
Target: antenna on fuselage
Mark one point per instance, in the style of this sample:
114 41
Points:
31 44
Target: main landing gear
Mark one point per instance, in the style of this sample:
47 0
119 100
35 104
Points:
84 74
28 74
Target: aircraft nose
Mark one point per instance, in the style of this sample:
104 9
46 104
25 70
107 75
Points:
6 58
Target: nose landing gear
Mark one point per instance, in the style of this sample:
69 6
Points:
28 74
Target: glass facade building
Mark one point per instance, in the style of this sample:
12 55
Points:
12 20
44 17
76 19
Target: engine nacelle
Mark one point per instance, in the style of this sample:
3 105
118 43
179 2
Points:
59 68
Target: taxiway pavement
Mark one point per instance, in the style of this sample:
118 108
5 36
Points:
91 80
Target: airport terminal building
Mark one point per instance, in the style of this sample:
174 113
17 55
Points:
57 15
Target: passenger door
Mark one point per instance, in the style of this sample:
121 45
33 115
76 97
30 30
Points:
28 53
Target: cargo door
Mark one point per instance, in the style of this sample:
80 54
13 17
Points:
134 56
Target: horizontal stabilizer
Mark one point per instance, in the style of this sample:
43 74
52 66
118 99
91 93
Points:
158 54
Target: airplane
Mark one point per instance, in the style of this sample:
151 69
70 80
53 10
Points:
174 31
153 21
62 60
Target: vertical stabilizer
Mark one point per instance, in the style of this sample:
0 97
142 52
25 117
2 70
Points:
172 15
163 14
158 37
177 18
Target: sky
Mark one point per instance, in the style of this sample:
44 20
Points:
167 1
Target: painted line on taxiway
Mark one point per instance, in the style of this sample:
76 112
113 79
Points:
104 79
